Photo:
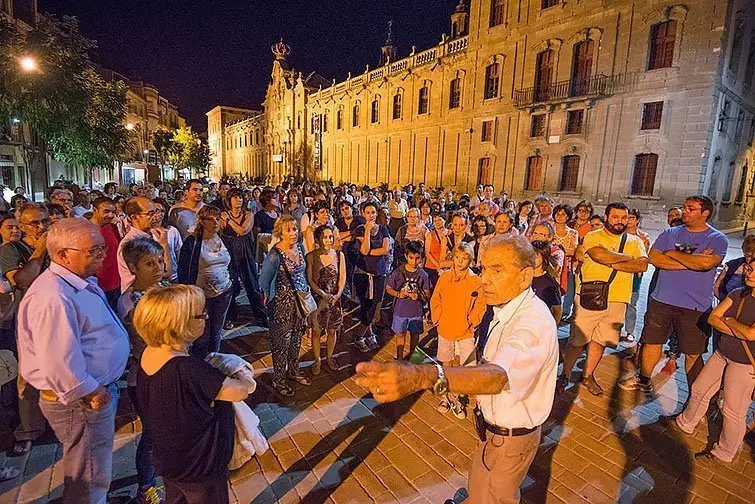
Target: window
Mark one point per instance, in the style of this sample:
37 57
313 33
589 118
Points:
714 176
492 76
257 137
643 177
487 131
569 173
750 66
736 46
651 115
339 119
740 127
483 171
454 95
424 100
355 116
298 121
397 106
574 120
325 122
582 68
549 3
742 185
729 181
375 116
533 177
496 12
313 124
537 128
544 75
724 116
662 39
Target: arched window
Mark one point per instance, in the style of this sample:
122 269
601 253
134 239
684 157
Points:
355 116
662 40
375 114
533 177
643 176
492 78
397 106
569 173
423 104
325 122
736 46
454 93
339 119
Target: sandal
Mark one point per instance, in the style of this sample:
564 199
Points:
300 379
283 389
9 473
332 364
21 448
316 367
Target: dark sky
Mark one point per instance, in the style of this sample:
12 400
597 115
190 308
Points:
207 53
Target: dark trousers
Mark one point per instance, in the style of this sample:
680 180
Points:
145 468
244 272
209 491
216 307
368 307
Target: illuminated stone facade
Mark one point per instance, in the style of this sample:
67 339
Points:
645 101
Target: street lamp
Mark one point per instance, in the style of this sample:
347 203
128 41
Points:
130 126
28 64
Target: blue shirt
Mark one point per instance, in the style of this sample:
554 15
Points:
686 288
69 339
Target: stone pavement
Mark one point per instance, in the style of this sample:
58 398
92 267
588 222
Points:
333 443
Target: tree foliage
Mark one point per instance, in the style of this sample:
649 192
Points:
189 151
78 114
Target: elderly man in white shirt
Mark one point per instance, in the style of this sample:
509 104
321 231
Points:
73 348
515 383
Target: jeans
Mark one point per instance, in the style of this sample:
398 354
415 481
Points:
368 307
87 438
739 382
630 322
570 291
216 307
244 272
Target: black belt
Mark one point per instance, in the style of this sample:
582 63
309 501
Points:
503 431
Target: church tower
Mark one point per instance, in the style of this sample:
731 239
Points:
460 20
389 50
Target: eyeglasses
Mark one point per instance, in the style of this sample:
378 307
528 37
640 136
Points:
92 252
37 223
202 316
151 213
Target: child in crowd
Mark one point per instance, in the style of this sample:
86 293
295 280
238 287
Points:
456 308
410 285
544 285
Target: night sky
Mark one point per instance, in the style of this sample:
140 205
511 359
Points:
207 53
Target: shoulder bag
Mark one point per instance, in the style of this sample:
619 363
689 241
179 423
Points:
593 295
304 299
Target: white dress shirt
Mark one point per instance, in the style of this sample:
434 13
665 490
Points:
69 339
522 340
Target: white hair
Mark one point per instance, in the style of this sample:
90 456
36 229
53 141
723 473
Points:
66 232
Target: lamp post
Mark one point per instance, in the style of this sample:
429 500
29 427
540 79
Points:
28 64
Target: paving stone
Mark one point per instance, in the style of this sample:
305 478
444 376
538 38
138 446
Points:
396 483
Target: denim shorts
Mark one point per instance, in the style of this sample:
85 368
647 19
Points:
402 324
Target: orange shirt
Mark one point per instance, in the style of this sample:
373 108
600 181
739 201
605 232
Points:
454 309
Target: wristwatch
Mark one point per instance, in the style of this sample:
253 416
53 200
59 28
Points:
441 384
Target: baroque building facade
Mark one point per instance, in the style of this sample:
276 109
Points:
640 101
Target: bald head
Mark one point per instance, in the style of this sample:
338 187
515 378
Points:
138 204
517 248
507 268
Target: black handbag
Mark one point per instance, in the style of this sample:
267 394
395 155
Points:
593 295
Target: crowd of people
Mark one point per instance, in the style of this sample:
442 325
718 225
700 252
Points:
143 280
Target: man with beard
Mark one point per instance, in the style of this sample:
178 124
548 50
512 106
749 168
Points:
607 255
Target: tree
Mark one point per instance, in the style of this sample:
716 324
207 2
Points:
189 151
65 106
162 141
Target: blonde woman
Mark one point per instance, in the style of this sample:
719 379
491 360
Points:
283 274
204 262
184 403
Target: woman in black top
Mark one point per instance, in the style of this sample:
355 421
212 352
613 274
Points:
184 403
264 220
543 284
346 226
236 231
732 363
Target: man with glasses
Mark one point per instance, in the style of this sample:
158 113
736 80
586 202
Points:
109 279
64 198
184 215
141 213
22 262
73 348
686 257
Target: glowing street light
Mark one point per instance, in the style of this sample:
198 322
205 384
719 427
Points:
28 64
146 151
130 126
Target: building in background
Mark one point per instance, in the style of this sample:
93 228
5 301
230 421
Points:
641 101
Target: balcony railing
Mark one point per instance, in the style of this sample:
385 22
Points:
595 86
